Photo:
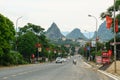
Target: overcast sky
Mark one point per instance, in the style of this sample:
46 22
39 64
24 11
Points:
67 14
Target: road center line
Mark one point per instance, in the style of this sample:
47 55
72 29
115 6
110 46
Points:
13 75
5 77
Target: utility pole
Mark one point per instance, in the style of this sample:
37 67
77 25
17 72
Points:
96 29
114 41
16 31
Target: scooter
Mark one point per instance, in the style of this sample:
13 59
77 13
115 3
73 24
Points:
74 62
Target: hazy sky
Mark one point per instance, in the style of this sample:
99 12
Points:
67 14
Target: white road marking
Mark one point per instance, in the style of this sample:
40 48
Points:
22 73
13 75
5 77
110 75
87 64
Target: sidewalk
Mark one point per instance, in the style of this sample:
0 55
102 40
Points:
105 70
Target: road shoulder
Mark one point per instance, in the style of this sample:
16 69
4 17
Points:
94 66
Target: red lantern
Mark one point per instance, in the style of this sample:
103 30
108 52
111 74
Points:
109 53
37 45
47 49
33 56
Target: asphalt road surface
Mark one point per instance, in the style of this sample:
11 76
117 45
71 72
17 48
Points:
53 71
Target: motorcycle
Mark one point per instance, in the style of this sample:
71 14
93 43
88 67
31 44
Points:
74 61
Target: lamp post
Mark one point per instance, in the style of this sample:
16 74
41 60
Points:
96 29
16 31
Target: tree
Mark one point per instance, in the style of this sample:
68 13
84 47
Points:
110 12
26 44
7 33
110 9
31 27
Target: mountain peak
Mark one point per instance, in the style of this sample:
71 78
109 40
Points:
54 32
75 34
103 33
76 30
53 27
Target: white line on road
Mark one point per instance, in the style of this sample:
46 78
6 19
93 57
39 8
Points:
22 73
13 75
87 64
110 75
5 77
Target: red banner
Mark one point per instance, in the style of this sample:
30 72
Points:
106 60
105 54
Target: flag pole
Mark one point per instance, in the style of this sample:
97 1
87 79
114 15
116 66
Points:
114 41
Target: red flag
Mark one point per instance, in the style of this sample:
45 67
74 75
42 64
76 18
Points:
108 22
116 25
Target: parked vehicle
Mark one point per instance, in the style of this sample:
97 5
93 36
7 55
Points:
58 60
64 59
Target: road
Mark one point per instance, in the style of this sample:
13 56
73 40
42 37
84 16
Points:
53 71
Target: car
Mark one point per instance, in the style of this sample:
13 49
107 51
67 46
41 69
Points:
58 60
64 59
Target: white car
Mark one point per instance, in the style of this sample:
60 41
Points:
64 59
58 60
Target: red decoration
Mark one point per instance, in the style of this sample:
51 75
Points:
33 56
116 25
47 49
85 49
108 22
38 45
105 54
109 53
105 60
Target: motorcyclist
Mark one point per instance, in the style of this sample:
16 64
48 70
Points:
74 61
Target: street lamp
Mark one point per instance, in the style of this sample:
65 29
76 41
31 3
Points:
16 31
96 29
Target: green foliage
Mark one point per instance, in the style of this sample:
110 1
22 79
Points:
99 53
12 58
31 27
110 10
100 46
26 44
7 33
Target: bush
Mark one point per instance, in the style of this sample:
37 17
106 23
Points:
99 53
12 58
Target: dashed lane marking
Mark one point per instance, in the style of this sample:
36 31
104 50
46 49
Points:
13 75
5 77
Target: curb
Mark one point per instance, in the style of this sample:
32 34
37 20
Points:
106 73
110 75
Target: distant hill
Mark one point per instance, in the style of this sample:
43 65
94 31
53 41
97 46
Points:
103 33
54 32
75 34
